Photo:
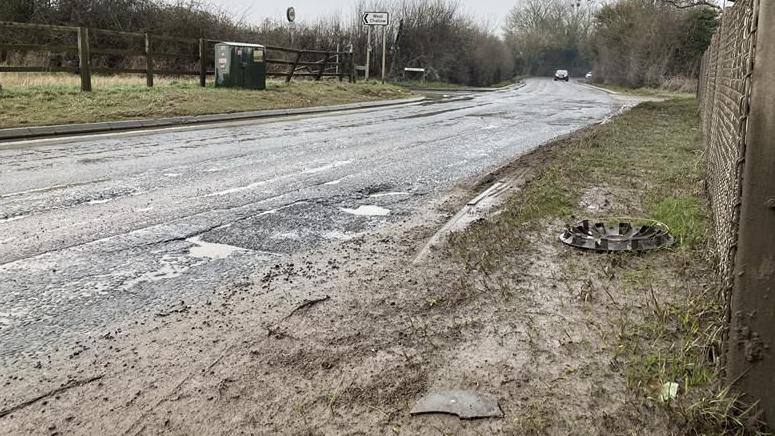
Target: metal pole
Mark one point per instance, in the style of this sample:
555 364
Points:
368 52
751 341
384 45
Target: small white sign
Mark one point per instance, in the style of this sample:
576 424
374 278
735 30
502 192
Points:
376 18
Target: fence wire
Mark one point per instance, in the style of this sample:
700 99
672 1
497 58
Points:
724 93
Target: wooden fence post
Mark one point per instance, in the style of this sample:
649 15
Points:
148 62
84 58
353 71
293 68
202 62
751 340
322 68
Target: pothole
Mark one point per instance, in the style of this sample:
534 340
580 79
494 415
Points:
210 250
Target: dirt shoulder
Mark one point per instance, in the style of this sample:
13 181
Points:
345 339
51 103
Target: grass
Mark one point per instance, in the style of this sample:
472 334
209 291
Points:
45 99
648 91
651 157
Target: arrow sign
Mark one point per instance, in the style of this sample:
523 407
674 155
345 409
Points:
376 18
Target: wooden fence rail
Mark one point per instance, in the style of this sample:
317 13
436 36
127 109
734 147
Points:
299 63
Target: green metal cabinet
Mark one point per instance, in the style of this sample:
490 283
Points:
239 65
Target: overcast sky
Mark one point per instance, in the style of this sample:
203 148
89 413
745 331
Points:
490 11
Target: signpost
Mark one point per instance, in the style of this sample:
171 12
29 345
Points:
376 18
290 14
372 19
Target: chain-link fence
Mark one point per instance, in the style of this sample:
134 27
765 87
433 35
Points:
737 97
724 91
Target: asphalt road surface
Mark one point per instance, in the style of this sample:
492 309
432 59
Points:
97 230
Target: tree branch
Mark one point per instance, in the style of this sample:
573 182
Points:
678 4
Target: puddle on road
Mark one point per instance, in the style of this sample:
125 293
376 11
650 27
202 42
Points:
292 235
326 167
388 194
211 250
51 188
12 218
340 235
171 267
244 188
369 210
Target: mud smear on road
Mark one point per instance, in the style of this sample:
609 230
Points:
344 339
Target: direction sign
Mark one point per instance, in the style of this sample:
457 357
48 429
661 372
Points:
376 18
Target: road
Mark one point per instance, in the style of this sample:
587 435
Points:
99 230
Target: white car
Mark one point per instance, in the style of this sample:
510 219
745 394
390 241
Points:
561 75
588 75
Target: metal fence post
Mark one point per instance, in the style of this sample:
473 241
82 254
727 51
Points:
84 58
751 338
148 61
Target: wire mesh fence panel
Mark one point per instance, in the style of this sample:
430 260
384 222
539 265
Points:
724 92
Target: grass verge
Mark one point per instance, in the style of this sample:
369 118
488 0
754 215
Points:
647 92
34 100
663 313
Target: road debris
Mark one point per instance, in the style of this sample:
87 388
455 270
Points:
475 210
181 308
305 304
464 404
618 235
69 385
669 391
